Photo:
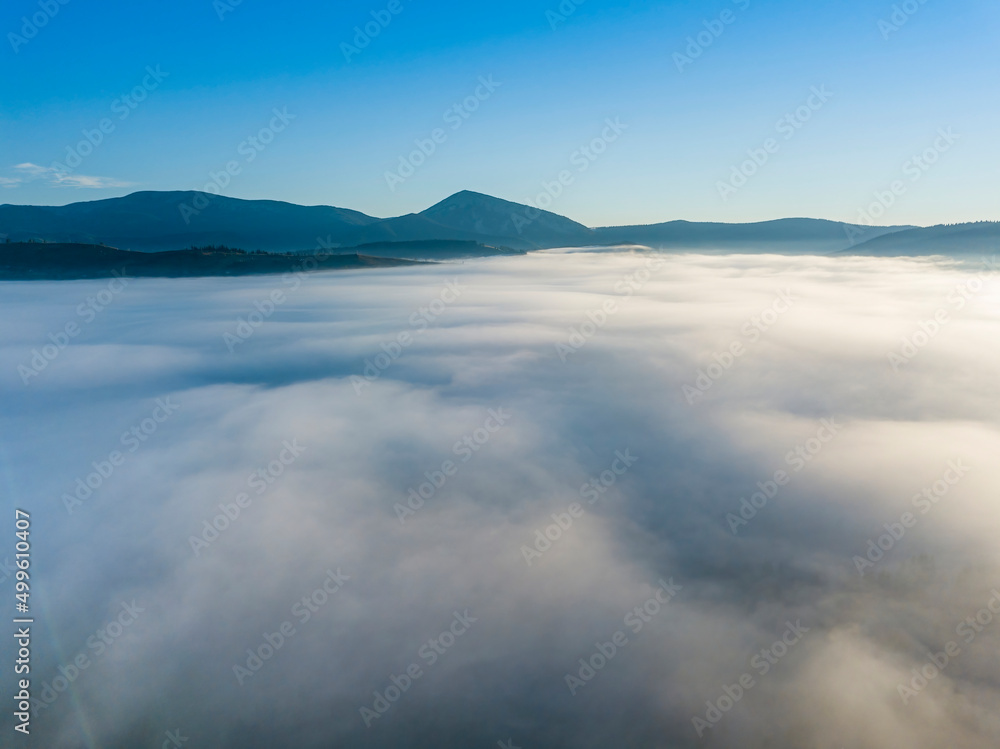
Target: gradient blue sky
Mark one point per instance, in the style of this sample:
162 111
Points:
610 58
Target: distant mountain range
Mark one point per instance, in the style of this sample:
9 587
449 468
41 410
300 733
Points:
156 221
805 235
980 238
159 221
35 261
426 249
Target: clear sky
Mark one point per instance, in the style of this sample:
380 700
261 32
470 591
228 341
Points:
887 89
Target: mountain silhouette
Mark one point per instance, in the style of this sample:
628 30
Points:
979 238
483 215
157 221
154 221
780 235
28 261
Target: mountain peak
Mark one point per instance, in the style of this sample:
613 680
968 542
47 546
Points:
475 212
467 198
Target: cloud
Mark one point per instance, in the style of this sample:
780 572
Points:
58 178
33 170
483 496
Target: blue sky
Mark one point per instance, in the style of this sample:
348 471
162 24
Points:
889 93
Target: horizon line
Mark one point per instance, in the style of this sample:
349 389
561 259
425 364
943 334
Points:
493 197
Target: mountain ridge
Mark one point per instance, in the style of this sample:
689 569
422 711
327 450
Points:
153 221
36 261
978 237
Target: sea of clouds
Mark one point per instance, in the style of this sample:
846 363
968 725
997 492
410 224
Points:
569 499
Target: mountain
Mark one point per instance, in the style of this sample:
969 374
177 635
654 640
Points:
157 221
980 238
483 215
781 235
154 221
429 249
22 261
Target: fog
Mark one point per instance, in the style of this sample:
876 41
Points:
581 438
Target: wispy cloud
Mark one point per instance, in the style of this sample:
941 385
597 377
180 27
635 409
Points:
56 178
